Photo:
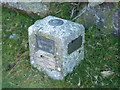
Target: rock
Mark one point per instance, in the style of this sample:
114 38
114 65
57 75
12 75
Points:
93 4
116 22
100 15
39 8
94 1
13 36
106 73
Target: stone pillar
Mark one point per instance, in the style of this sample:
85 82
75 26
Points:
56 46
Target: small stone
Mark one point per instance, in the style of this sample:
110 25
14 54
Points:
106 73
13 36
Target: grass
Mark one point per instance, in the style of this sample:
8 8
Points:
101 54
0 47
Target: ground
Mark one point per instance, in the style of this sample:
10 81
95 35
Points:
101 54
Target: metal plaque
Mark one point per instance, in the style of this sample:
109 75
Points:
45 44
45 61
55 22
74 45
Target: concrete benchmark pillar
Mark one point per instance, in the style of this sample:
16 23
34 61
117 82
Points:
56 46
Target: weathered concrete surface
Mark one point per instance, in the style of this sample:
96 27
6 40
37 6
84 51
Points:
39 8
101 16
49 52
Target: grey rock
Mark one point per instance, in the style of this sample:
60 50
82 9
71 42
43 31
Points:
116 22
39 8
100 15
13 36
107 73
